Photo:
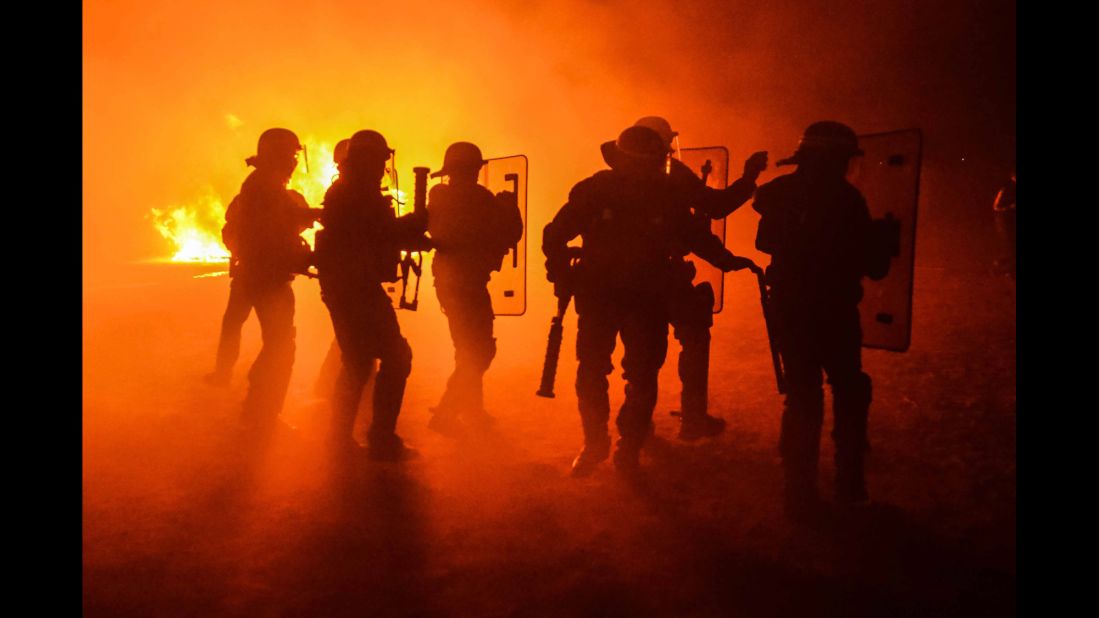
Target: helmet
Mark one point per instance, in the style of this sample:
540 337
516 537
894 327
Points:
275 143
339 153
635 144
662 127
460 155
368 144
826 137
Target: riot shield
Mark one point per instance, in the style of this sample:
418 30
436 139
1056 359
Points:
508 286
888 175
714 160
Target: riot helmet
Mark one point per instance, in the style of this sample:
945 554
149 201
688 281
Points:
636 149
460 156
825 140
663 128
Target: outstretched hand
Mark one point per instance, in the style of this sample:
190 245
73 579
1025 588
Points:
755 164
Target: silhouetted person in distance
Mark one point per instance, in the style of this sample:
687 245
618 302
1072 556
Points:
357 251
471 230
1004 209
263 227
691 307
817 229
633 228
236 313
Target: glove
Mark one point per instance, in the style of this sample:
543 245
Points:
755 165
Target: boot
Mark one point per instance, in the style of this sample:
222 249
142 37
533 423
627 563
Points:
695 426
446 422
627 457
388 447
850 481
596 450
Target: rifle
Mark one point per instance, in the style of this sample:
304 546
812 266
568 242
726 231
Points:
408 262
556 333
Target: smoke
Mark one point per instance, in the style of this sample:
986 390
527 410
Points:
176 95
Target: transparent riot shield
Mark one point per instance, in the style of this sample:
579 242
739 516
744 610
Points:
888 176
712 164
508 286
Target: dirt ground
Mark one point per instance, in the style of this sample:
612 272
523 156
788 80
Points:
183 515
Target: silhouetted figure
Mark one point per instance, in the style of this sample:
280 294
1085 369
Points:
817 228
359 249
691 307
1004 209
472 230
633 227
236 313
263 227
333 364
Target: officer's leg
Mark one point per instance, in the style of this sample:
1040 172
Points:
236 314
469 316
269 376
329 372
596 333
645 339
355 368
481 349
396 363
692 329
851 395
445 414
802 415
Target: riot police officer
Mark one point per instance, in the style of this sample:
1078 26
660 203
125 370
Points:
471 230
691 306
359 249
632 229
818 230
332 364
263 228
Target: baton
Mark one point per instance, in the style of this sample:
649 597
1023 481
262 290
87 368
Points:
764 301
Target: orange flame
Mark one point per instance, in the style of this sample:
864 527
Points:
195 229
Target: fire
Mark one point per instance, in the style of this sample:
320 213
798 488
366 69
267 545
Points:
400 201
195 229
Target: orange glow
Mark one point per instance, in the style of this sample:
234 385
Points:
195 228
